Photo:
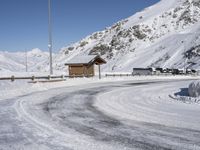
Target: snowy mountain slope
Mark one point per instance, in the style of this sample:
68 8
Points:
162 35
16 61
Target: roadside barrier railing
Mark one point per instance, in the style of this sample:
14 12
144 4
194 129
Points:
47 78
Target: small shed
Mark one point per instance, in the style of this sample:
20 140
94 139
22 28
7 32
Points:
84 65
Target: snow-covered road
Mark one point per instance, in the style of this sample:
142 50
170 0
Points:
104 116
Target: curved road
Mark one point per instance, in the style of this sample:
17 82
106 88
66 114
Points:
67 118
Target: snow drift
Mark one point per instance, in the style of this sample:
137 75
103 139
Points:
194 89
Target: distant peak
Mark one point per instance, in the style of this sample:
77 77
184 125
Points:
36 50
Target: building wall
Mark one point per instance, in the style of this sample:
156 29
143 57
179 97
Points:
90 70
76 70
81 70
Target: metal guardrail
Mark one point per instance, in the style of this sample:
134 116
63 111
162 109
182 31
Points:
63 77
118 75
13 78
33 78
131 75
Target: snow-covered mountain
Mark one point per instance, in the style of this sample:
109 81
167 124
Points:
165 35
16 61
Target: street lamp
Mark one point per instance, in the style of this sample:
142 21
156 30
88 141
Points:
50 37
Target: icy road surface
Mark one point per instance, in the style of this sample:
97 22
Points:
104 116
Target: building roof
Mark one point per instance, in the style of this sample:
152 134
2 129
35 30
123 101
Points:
85 60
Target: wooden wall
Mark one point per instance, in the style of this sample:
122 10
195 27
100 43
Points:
81 70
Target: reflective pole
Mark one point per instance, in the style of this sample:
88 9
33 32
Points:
50 37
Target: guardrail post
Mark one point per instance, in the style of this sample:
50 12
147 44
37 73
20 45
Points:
12 78
49 77
33 78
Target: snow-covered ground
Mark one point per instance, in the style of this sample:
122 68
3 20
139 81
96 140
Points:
112 114
10 89
126 113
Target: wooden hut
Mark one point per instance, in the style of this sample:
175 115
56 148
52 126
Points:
84 65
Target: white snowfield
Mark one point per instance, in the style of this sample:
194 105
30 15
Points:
109 114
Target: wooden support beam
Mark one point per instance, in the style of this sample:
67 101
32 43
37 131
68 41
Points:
99 71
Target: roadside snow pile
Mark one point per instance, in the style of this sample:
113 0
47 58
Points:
10 89
186 99
194 89
189 95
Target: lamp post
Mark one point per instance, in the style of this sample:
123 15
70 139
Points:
50 37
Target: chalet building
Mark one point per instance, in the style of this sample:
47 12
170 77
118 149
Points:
84 65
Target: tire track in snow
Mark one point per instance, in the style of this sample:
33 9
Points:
77 112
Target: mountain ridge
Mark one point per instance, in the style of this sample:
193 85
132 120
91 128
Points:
163 35
145 39
16 61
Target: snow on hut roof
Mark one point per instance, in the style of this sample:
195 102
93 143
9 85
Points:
84 59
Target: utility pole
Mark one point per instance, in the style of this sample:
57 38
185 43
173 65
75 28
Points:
99 71
50 37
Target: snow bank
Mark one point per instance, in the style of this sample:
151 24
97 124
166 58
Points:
10 89
194 89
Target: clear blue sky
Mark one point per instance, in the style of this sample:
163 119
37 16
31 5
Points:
24 23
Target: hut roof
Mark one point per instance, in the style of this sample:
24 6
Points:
85 60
